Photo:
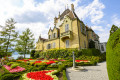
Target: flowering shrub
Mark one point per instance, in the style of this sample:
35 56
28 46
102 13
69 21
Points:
17 69
82 61
40 75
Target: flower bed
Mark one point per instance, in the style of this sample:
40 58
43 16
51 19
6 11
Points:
45 61
17 69
82 61
40 75
25 60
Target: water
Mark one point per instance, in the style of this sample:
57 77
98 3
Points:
15 56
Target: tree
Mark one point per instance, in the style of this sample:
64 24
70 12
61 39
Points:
8 36
113 29
25 42
113 56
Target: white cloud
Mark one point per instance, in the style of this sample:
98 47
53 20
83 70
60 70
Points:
92 11
116 20
97 28
21 10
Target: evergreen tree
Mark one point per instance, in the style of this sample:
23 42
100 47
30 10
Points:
8 36
113 29
25 42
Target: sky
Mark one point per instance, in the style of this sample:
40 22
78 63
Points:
38 15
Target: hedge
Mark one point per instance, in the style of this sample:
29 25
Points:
113 56
66 53
64 75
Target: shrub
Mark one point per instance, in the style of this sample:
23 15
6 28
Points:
8 77
61 67
14 65
32 53
40 64
64 75
41 68
10 63
20 57
91 52
35 69
113 56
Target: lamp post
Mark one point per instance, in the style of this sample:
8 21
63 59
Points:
73 60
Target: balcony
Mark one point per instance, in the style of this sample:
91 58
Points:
66 35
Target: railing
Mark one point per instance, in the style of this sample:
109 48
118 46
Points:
66 34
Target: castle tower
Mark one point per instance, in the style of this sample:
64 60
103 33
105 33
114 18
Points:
72 7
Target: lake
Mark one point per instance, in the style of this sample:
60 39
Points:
15 56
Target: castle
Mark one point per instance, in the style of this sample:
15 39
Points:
68 32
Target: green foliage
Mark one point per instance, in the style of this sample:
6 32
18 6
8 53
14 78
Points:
8 36
32 53
40 64
14 65
61 67
113 56
90 52
113 29
64 75
58 53
25 42
67 53
9 76
10 63
6 71
91 44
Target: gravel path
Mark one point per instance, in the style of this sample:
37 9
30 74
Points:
98 72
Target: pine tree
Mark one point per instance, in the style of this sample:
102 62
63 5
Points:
113 29
25 42
8 36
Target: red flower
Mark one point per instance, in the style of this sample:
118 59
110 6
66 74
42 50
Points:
39 75
50 62
81 61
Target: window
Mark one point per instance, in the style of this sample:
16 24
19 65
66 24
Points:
66 27
67 43
81 26
85 29
54 45
102 48
48 46
49 36
55 35
85 44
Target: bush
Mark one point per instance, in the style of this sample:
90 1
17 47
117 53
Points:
32 53
61 67
91 52
40 64
41 68
14 65
8 77
35 69
64 75
20 57
113 56
9 63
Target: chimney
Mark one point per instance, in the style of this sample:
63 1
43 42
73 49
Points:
72 7
55 21
59 15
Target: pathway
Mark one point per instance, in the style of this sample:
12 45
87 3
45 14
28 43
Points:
98 72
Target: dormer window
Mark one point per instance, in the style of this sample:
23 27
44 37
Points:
66 27
55 35
49 36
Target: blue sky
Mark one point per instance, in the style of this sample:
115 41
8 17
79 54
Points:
38 15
